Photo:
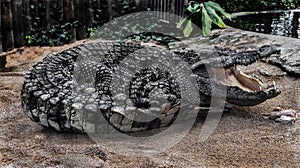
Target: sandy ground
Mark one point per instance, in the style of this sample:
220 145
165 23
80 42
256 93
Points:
243 138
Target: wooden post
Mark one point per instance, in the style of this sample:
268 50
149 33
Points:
47 14
143 5
296 18
1 49
81 17
89 13
109 8
105 15
36 4
27 20
68 13
18 23
7 26
56 11
2 58
150 5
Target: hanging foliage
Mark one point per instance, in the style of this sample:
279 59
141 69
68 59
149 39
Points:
211 12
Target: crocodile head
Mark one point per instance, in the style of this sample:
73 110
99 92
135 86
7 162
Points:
220 71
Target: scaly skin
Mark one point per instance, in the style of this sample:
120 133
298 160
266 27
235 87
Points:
64 86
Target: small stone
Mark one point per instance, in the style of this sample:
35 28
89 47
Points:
40 136
285 119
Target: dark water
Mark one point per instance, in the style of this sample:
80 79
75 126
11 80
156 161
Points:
279 23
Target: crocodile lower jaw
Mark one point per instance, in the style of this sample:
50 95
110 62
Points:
234 77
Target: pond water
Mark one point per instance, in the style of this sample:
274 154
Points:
283 23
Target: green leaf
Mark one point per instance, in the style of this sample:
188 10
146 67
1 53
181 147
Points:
194 8
218 8
181 21
188 29
63 36
214 17
206 22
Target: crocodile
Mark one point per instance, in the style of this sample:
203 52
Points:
79 79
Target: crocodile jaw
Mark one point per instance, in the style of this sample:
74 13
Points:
242 89
235 77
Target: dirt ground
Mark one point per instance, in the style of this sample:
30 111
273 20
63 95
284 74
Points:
243 138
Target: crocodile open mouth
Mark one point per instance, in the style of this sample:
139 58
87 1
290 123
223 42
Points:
225 68
234 77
